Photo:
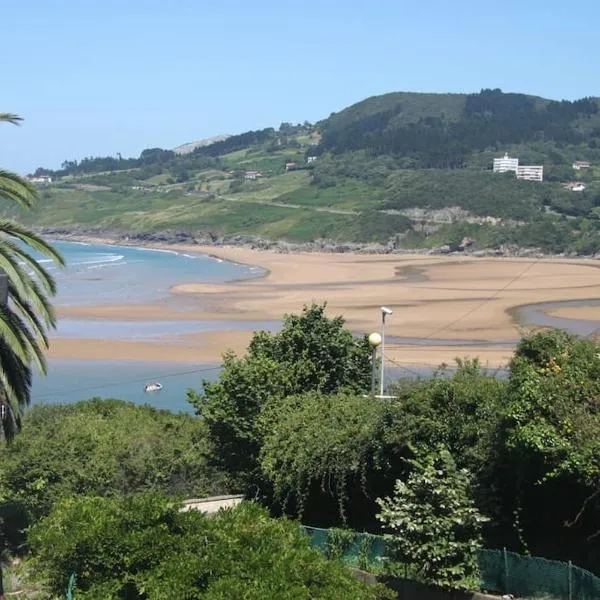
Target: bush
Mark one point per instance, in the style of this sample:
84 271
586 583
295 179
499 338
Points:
105 448
144 547
435 525
325 454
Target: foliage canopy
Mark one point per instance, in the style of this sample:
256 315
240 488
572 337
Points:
143 547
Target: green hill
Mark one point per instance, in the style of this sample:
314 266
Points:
389 167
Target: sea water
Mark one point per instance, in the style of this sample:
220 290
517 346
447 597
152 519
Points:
99 274
109 274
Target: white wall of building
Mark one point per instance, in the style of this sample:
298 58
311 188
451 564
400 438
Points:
506 163
530 172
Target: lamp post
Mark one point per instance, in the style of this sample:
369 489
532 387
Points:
385 311
374 340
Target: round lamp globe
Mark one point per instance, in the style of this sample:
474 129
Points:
374 340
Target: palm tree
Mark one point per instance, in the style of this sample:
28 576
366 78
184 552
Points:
25 312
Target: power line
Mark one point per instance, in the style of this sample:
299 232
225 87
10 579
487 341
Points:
125 381
476 307
401 366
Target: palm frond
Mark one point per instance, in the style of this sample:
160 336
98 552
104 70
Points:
16 274
14 187
40 272
11 118
28 313
24 307
31 239
11 332
10 419
15 383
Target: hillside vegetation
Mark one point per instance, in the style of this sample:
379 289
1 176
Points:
409 169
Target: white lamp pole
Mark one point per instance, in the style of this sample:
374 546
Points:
384 312
374 340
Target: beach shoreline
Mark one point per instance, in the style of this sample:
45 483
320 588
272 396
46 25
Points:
434 298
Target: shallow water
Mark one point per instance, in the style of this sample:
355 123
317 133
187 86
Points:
73 380
108 274
534 314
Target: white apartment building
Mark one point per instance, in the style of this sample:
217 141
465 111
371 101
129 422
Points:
531 172
502 165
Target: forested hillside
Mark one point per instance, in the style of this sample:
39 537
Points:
415 168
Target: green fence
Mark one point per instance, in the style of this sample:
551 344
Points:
362 550
501 571
529 576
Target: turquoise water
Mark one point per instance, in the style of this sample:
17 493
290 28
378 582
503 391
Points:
98 273
108 274
73 380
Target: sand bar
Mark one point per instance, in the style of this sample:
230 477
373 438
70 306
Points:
434 297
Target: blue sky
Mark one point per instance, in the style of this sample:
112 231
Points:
97 78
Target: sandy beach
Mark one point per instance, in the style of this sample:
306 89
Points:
435 298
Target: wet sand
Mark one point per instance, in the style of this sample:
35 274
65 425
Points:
438 297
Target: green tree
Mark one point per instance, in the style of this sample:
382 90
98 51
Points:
462 411
328 456
311 353
144 547
548 451
435 527
28 314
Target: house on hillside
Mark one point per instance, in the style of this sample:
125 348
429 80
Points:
40 179
290 165
581 164
575 186
252 175
311 159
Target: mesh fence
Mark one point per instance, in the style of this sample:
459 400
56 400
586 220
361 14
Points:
501 571
362 550
527 576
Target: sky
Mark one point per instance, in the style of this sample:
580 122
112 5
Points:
98 78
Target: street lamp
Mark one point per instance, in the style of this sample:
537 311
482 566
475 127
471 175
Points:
385 311
375 341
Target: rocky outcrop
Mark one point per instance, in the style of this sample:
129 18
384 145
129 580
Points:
208 238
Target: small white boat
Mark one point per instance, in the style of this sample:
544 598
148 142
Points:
153 387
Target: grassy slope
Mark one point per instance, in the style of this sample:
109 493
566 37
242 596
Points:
138 211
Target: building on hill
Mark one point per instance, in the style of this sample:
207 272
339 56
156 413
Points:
40 179
581 164
252 175
311 159
506 163
530 172
575 186
290 165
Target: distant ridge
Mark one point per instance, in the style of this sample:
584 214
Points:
191 146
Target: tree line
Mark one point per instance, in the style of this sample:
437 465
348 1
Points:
489 119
